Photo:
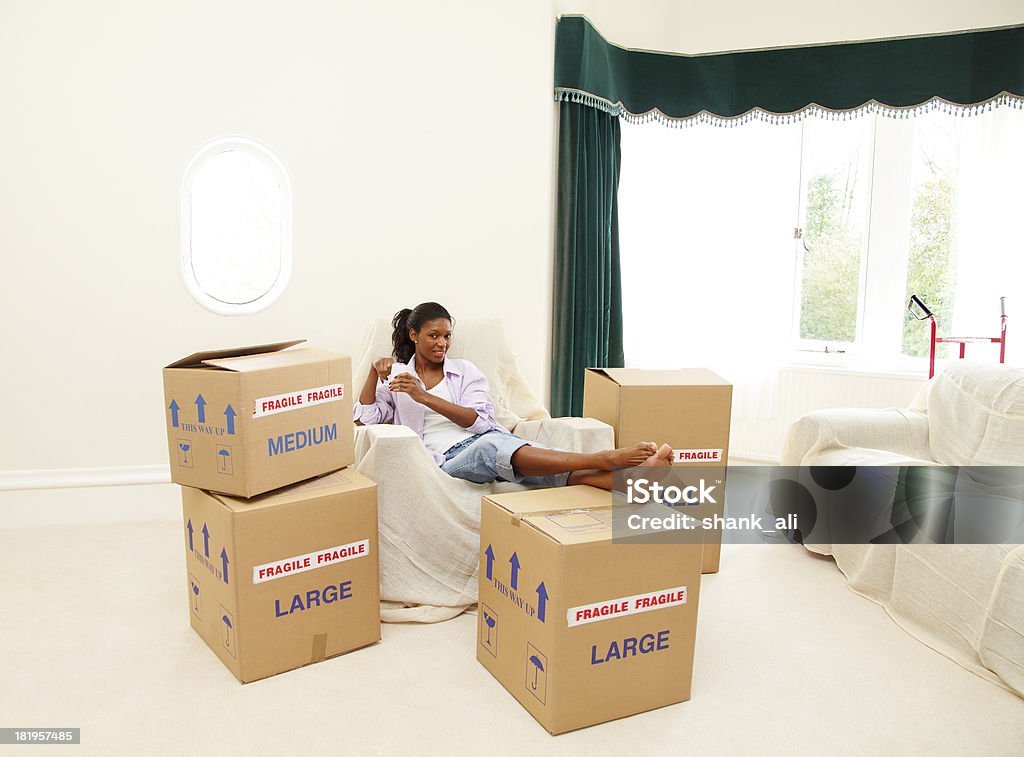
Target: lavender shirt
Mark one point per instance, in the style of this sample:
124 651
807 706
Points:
468 387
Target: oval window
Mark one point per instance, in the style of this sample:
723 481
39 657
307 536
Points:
236 226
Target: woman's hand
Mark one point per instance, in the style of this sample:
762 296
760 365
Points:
383 368
409 384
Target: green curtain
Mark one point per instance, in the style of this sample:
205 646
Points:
966 68
588 291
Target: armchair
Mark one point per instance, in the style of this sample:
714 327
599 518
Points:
963 600
430 522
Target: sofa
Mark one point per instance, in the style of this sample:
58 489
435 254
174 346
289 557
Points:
965 600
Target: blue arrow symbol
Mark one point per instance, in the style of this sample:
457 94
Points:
224 562
490 560
174 413
206 541
189 526
230 413
515 570
542 601
201 407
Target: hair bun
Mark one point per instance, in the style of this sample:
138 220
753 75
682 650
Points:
400 318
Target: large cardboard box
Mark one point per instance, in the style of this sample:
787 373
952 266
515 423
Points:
690 409
248 420
579 629
286 579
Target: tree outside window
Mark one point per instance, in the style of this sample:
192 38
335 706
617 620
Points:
831 271
931 265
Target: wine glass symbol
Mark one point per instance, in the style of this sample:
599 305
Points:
489 620
184 448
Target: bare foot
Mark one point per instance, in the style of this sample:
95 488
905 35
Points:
627 456
662 457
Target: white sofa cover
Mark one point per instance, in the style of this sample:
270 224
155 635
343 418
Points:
964 600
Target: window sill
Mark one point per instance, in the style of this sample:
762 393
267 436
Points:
910 369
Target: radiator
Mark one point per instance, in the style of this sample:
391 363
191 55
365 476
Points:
801 389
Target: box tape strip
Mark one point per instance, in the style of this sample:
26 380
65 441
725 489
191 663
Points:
319 648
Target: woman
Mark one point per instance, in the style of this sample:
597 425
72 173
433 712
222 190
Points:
447 403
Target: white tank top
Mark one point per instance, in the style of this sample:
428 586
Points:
440 433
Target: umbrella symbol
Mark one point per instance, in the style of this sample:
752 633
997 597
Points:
227 622
490 621
224 454
195 590
538 668
184 448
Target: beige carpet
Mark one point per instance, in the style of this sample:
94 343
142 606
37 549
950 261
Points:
95 635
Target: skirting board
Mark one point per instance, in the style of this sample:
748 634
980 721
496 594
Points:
74 478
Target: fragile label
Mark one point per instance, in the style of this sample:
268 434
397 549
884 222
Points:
297 400
319 559
617 608
696 455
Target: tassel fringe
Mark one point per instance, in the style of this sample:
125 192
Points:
1002 100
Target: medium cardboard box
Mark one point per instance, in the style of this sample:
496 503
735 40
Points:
286 579
578 629
690 409
248 420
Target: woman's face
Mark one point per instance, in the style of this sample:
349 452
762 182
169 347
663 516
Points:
432 341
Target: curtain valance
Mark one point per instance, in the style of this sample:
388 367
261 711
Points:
977 69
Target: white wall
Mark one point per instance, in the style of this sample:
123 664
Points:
419 139
420 142
744 24
701 26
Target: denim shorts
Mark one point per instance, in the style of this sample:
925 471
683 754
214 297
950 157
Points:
487 457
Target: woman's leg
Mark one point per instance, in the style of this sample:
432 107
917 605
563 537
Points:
537 461
602 479
499 455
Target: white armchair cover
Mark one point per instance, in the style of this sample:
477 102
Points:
966 601
430 522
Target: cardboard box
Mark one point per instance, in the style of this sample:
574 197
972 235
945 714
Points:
578 629
286 579
690 409
246 421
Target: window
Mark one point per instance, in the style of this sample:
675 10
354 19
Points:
931 265
832 256
236 226
763 239
706 218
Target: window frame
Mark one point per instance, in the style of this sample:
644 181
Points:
865 302
265 155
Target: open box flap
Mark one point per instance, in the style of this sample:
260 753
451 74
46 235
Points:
197 359
271 360
680 377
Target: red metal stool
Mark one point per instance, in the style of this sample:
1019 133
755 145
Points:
963 341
